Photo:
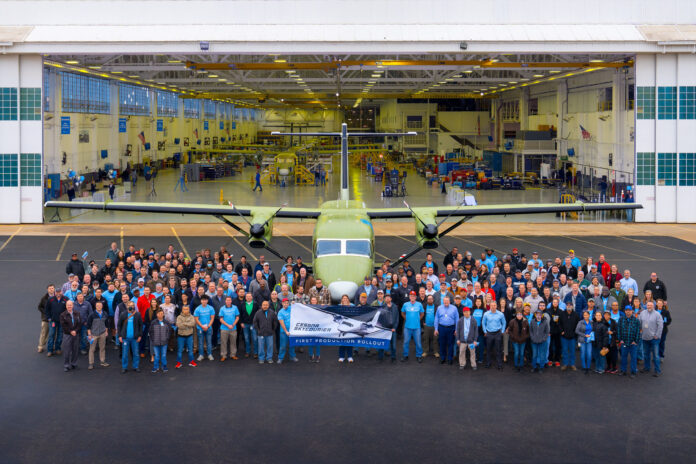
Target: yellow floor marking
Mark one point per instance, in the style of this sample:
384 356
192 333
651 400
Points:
246 250
564 252
181 244
607 247
122 238
10 238
60 250
646 242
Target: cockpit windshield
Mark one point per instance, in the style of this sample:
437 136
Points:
358 247
328 247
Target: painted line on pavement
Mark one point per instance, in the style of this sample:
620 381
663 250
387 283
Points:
181 244
62 247
10 238
248 251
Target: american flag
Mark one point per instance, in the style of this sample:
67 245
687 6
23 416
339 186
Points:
585 134
141 136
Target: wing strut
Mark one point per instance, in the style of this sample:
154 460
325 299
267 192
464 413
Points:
457 224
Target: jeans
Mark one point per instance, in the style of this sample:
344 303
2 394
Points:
265 348
186 341
345 352
130 344
626 351
650 350
480 347
208 337
145 340
661 352
55 337
555 348
160 357
446 340
314 350
518 354
430 342
414 334
586 355
250 338
539 351
639 353
494 343
568 346
599 360
285 345
392 348
84 343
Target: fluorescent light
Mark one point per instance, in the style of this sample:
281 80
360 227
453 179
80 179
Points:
596 61
512 82
174 61
468 71
116 72
554 71
538 75
134 76
213 76
94 67
72 62
280 61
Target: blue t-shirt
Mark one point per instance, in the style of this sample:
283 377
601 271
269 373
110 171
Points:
109 297
228 276
284 315
413 312
228 315
204 314
430 315
129 327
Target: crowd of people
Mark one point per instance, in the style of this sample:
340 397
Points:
491 310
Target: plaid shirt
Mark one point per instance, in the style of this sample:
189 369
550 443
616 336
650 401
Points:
629 330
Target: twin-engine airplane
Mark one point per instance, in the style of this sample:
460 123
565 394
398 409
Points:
343 239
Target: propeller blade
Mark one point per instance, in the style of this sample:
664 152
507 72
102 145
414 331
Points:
267 220
414 214
450 214
238 213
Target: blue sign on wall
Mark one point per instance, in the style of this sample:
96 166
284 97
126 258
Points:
222 125
160 125
234 125
65 125
122 125
205 125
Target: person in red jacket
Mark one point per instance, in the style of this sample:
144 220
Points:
603 267
143 305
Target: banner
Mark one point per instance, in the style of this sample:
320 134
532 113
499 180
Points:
358 326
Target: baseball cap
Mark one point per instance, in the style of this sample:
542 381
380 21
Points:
412 292
363 294
442 275
571 251
141 280
380 291
285 299
515 250
535 252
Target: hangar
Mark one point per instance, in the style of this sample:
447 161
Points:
592 104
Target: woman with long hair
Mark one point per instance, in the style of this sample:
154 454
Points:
345 351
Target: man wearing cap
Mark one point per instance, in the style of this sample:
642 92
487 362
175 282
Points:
574 260
228 317
379 302
389 317
75 266
493 323
652 327
204 316
628 338
467 338
539 331
368 289
576 299
412 312
299 265
446 319
284 322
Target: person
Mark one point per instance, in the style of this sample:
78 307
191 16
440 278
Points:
629 198
45 325
130 333
389 317
467 338
160 331
568 321
518 331
554 311
446 319
629 337
629 283
539 332
651 333
577 299
656 286
247 310
477 313
185 326
430 340
583 330
345 351
613 354
257 178
667 319
229 317
204 315
84 309
70 324
600 342
112 189
493 323
75 266
412 311
265 323
284 322
321 292
97 333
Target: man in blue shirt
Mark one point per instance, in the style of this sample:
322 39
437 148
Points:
493 323
284 322
205 315
446 319
629 282
229 316
412 312
574 260
130 331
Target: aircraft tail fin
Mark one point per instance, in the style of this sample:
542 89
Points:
375 318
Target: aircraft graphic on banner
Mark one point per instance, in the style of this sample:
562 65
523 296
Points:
347 325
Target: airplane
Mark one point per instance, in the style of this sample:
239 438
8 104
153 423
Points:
348 326
343 240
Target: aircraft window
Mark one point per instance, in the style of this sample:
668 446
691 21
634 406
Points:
358 247
328 247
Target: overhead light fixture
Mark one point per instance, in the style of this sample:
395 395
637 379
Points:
468 71
134 76
538 75
596 61
512 82
213 76
173 61
72 62
280 61
554 71
116 72
222 80
94 67
202 71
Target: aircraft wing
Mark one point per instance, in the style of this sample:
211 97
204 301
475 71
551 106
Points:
189 208
491 210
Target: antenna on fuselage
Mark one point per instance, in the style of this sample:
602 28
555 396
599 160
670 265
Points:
344 134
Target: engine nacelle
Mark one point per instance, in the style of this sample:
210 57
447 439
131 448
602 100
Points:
261 230
427 235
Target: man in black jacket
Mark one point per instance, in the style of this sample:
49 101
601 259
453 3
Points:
568 321
75 266
43 335
389 317
247 310
71 324
54 308
656 286
130 331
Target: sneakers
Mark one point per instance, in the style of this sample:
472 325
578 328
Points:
573 368
549 364
234 358
104 364
123 371
137 369
564 368
90 367
341 359
193 364
419 359
557 364
165 370
210 357
200 358
269 361
177 365
350 359
154 371
260 362
294 360
280 361
58 352
404 359
223 359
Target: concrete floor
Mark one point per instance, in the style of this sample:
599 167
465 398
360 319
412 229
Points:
362 187
327 412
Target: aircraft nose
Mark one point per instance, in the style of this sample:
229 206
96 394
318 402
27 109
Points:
340 288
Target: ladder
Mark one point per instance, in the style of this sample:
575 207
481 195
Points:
303 176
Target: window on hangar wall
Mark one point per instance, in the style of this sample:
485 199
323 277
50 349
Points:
133 100
84 94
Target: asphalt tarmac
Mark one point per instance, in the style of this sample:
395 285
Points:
326 412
